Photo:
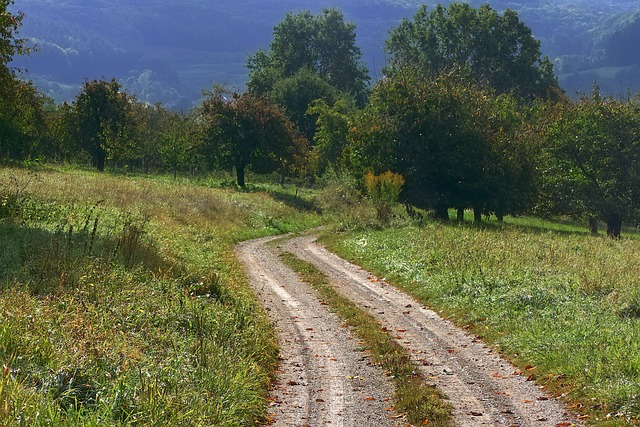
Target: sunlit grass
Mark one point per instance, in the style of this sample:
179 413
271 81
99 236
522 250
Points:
549 295
121 301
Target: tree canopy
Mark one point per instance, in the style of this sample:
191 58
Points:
594 160
10 44
449 138
103 119
242 131
498 49
324 44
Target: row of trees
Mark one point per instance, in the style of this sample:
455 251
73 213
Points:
469 113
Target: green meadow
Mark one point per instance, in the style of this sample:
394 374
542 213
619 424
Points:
562 304
122 303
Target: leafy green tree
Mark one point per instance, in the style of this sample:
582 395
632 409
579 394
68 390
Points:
21 107
332 126
22 117
447 137
498 49
247 131
104 121
593 160
178 142
63 134
297 92
10 44
323 44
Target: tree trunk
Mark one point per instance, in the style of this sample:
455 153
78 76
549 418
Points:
240 175
460 215
100 161
593 225
500 216
614 225
477 215
442 212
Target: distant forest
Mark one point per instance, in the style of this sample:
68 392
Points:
169 52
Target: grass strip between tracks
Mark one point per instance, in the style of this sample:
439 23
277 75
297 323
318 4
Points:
422 403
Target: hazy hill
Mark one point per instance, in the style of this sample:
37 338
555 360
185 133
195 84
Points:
166 51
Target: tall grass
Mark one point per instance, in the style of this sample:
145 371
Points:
558 301
121 302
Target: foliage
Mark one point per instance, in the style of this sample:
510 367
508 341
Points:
242 131
330 138
21 107
594 160
104 121
450 140
22 122
496 48
384 190
296 93
10 44
310 58
323 44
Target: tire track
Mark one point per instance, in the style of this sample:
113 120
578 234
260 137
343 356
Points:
322 379
483 388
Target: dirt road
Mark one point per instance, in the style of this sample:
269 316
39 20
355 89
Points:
325 381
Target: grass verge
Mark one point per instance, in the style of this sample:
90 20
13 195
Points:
557 301
423 404
122 303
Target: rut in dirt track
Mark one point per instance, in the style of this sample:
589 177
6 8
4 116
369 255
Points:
482 387
323 379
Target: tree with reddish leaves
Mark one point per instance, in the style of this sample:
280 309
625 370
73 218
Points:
244 131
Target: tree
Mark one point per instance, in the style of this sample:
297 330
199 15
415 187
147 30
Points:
22 117
243 131
21 107
330 138
177 144
593 160
10 44
498 49
297 92
104 121
450 139
324 45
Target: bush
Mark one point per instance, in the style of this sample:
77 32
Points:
384 191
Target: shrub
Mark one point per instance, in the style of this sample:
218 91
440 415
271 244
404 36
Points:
384 190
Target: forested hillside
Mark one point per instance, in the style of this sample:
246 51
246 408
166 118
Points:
167 52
